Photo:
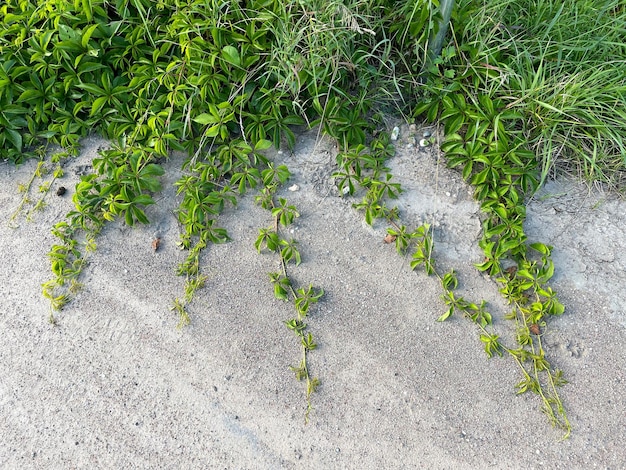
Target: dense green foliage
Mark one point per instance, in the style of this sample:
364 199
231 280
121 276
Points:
182 75
560 67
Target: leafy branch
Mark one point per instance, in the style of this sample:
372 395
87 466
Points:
287 250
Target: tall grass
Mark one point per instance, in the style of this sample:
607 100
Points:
563 66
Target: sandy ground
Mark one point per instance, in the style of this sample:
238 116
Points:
115 385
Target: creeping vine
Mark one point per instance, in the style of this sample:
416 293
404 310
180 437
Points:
303 298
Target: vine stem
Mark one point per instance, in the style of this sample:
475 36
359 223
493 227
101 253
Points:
282 260
310 383
27 187
554 400
552 404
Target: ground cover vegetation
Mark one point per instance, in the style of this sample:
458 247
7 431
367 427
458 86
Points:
521 88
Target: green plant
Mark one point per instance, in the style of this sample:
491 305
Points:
303 298
207 79
479 141
120 187
205 195
223 81
538 374
484 139
47 176
559 66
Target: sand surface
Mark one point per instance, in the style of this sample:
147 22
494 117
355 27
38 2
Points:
116 385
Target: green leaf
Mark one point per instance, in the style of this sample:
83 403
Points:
280 293
204 119
449 281
491 344
557 307
541 248
153 170
87 10
30 94
143 199
213 131
15 138
308 342
231 55
446 315
89 31
295 325
263 144
97 105
91 88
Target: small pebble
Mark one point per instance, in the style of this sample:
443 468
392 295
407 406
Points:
295 187
395 133
61 191
424 143
426 134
